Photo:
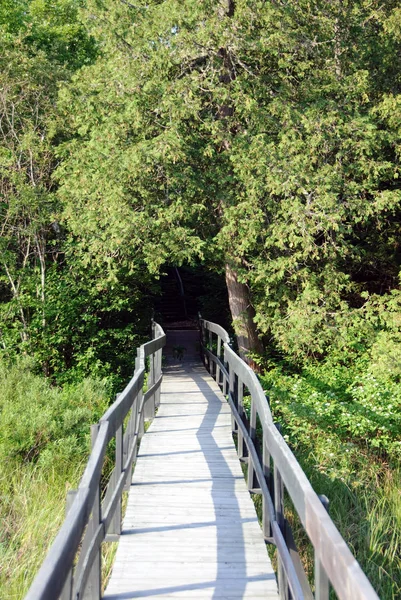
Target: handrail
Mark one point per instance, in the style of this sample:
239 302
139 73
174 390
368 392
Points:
90 520
272 469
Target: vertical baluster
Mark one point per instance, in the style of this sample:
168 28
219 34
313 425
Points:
279 508
232 394
115 523
322 585
252 433
93 586
66 594
219 357
241 446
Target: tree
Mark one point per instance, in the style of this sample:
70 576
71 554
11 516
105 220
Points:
243 134
40 47
161 139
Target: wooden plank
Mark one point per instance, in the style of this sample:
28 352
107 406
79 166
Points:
190 528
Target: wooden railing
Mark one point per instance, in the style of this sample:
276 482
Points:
72 568
273 472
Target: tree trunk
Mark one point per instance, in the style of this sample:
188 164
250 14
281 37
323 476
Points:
15 291
243 313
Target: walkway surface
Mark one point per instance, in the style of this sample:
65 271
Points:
190 528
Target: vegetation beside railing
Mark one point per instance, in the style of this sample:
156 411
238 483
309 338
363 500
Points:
274 473
72 567
44 438
353 460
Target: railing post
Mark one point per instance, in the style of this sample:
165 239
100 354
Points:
153 399
227 366
66 594
158 375
322 585
149 410
130 439
201 337
154 376
140 423
93 586
137 359
140 417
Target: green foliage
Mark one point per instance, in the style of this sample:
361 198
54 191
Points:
73 319
199 135
54 28
350 404
354 393
97 331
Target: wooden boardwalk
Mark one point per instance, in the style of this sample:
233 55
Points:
190 528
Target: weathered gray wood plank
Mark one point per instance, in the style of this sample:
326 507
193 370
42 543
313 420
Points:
190 529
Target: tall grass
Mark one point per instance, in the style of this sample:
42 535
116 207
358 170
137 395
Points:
44 445
31 513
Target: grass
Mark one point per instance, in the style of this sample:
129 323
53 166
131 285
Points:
30 521
44 445
366 507
32 508
356 467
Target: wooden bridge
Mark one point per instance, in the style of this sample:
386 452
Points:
190 528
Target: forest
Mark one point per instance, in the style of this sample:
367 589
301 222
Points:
255 142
